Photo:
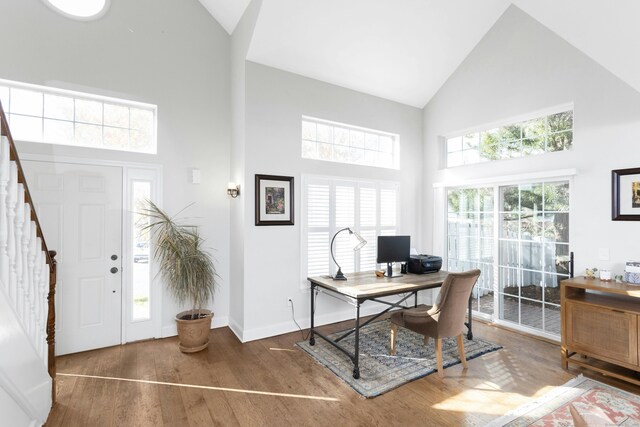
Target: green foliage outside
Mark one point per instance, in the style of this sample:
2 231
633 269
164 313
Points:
544 134
539 210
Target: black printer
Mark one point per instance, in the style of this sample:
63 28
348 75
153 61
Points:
420 264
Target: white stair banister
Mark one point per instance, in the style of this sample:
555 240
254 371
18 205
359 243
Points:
32 258
21 287
4 230
27 293
12 199
36 266
27 270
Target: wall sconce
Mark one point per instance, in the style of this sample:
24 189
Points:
233 190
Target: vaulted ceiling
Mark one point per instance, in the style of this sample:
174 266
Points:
405 50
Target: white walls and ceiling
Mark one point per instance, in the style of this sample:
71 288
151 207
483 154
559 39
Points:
226 109
275 103
404 51
519 67
231 94
172 54
240 42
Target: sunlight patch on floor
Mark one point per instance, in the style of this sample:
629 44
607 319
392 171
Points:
488 398
204 387
281 349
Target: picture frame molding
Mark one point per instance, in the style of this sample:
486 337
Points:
258 199
616 214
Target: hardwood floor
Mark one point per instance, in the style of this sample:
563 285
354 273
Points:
271 382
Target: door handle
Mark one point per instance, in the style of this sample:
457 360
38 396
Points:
114 270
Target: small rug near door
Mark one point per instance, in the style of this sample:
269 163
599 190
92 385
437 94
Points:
594 403
380 372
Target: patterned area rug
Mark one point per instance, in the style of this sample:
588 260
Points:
594 404
380 372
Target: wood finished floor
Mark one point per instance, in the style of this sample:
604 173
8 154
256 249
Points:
494 384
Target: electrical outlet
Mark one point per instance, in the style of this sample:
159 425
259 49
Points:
289 301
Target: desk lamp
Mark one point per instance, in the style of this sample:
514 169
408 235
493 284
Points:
361 243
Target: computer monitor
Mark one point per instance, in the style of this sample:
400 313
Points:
393 249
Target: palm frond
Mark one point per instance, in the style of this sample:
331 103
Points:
186 268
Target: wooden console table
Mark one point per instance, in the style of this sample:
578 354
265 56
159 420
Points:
600 321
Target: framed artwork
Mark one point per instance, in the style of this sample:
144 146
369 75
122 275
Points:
274 200
625 194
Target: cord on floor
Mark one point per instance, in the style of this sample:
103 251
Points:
293 316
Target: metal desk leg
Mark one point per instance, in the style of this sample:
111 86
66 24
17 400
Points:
356 355
469 331
415 302
312 339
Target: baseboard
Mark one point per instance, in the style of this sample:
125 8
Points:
245 335
218 322
235 328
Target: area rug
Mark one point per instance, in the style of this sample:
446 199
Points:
593 402
380 372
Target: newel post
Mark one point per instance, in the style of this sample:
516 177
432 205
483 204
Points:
51 324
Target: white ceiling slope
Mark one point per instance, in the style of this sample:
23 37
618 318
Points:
405 50
399 50
226 12
606 31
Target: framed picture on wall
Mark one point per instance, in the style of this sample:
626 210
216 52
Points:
274 200
625 194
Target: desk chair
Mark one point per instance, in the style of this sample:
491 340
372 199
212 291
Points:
444 319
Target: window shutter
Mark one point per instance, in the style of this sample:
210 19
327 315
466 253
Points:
345 206
368 223
370 208
318 209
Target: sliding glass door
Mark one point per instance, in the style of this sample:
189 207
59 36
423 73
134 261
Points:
470 228
528 229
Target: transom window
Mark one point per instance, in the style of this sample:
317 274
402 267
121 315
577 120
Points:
55 116
553 132
337 142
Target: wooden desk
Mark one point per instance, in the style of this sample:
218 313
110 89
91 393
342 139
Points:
366 286
600 321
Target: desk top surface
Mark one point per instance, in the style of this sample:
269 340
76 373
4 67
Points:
613 287
367 285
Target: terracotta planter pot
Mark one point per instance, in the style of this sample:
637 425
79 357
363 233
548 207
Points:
194 334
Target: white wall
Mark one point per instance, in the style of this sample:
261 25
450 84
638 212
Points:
25 384
12 412
275 103
519 67
164 52
240 42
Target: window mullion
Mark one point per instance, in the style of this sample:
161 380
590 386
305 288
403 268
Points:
332 223
356 221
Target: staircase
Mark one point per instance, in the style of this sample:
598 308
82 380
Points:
27 290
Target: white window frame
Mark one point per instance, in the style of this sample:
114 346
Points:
81 96
497 124
440 239
395 144
332 228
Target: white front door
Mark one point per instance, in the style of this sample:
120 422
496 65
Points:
80 208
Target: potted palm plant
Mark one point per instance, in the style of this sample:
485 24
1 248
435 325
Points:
188 272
